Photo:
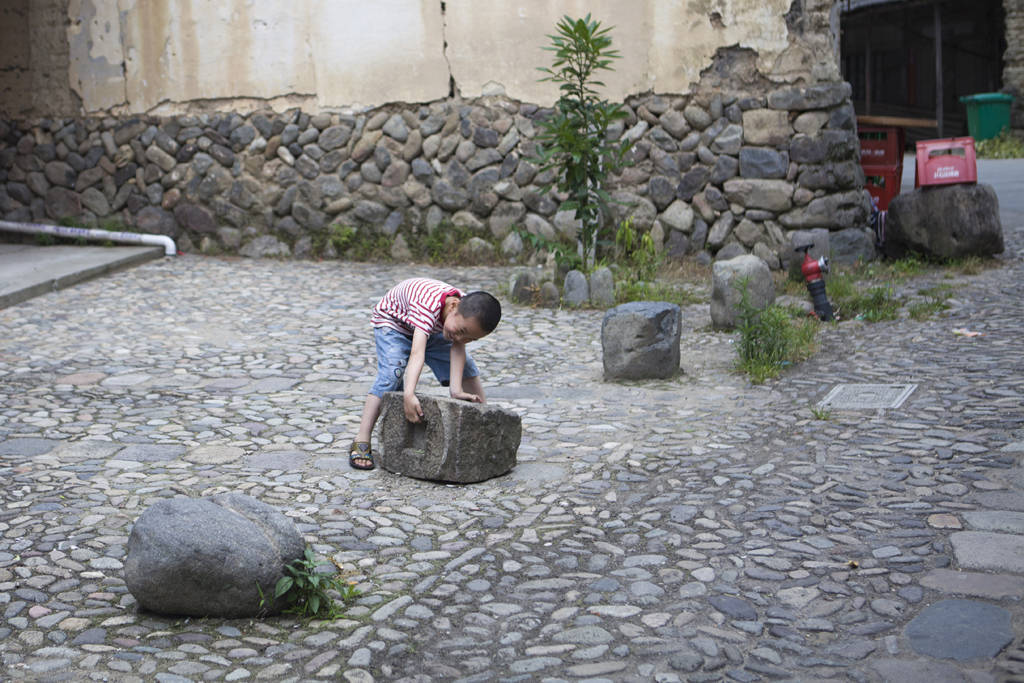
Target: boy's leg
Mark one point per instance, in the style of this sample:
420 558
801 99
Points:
371 411
392 357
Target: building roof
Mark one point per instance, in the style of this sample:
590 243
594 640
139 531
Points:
854 5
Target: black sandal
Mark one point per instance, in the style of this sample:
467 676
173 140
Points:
360 457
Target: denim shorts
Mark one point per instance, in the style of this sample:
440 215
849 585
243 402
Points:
393 355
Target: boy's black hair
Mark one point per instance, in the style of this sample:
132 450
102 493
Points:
482 306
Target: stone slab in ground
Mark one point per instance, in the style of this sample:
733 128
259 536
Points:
919 671
989 550
975 584
960 629
996 520
456 441
1000 500
27 271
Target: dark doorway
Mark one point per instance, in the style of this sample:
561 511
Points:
889 57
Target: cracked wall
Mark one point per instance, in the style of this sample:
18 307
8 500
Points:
170 56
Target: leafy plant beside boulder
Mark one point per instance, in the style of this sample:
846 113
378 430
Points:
304 589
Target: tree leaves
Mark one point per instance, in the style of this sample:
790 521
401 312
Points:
573 140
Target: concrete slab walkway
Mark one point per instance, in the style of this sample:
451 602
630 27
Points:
27 270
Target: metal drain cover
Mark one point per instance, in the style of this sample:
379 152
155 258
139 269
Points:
867 396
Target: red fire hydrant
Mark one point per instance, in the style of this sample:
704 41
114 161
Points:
813 269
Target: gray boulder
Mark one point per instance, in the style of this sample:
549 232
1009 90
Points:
575 291
947 221
851 246
512 246
602 287
726 288
456 441
549 295
523 287
265 246
730 251
640 340
207 556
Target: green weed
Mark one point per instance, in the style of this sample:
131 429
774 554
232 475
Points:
910 265
339 237
1006 145
821 413
770 339
642 290
934 302
635 252
852 300
566 256
305 589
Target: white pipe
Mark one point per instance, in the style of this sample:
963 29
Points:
86 233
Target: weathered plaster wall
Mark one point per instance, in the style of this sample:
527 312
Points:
67 57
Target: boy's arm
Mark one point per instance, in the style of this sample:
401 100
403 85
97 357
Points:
417 355
457 365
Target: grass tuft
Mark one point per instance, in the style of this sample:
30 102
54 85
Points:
771 340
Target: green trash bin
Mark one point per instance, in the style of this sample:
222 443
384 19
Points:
988 113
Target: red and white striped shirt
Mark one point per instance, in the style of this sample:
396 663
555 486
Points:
413 304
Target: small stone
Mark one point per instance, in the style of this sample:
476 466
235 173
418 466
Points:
726 293
576 290
602 287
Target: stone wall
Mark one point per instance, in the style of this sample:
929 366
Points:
268 145
1013 59
710 171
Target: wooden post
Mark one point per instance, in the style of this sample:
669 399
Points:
939 95
867 74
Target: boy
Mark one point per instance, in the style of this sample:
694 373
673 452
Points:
423 321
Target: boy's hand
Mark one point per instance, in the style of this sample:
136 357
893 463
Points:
466 396
413 410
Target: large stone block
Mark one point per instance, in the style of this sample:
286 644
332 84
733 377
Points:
640 340
946 222
758 193
456 441
209 556
727 288
837 211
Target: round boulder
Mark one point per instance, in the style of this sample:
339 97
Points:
209 556
728 281
640 340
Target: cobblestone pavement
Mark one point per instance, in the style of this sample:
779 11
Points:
694 529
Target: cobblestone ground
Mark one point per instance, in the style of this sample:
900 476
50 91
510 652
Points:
695 529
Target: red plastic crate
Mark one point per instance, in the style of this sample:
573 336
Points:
880 146
882 181
946 162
